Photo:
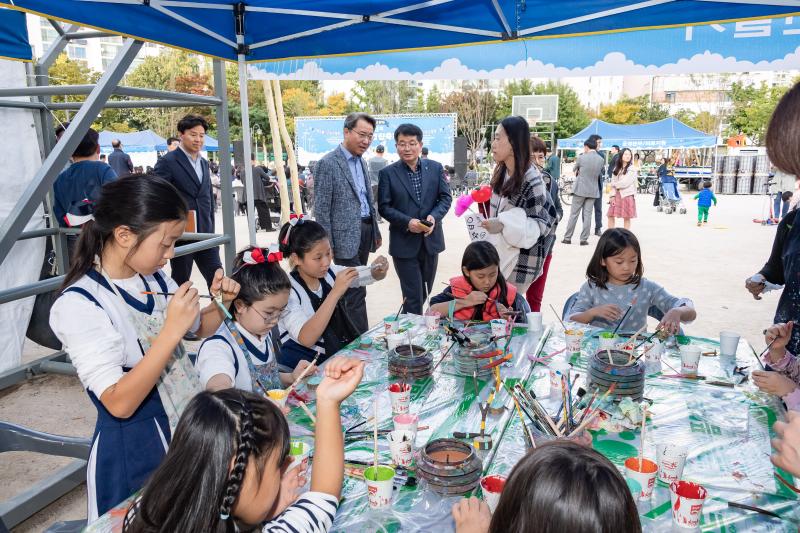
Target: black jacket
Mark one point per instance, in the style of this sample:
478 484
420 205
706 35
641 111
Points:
176 168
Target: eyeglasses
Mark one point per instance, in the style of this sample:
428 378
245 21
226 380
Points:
269 317
362 135
405 146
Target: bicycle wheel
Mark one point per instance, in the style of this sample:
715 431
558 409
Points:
565 192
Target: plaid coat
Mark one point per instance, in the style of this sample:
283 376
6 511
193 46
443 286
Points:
534 198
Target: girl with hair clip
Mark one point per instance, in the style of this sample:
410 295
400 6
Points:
226 470
481 292
242 353
121 319
565 487
315 320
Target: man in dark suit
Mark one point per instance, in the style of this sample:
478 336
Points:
186 169
119 160
413 195
343 206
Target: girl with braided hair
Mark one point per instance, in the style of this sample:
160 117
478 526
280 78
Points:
226 471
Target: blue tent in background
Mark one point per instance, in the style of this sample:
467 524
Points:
137 141
14 36
667 133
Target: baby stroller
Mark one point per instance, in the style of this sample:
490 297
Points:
669 197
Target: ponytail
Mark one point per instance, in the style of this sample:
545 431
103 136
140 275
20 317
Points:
139 201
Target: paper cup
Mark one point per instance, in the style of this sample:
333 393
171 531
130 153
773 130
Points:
644 475
499 327
406 422
671 460
607 340
534 321
401 444
690 359
379 488
393 340
278 396
432 322
298 452
728 342
491 488
400 394
574 339
557 370
391 324
687 503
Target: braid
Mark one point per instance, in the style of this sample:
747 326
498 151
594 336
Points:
242 457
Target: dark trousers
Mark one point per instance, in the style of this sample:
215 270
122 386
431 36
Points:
264 219
416 278
355 299
375 201
598 208
207 261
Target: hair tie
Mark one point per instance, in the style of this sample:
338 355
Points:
294 220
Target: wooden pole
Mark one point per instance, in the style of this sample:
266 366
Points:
287 142
276 148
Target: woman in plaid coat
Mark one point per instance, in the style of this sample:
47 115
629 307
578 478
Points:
522 216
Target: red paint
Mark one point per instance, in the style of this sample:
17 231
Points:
648 466
493 483
687 489
399 387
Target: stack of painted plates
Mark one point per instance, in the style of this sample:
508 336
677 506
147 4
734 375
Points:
410 362
471 357
449 466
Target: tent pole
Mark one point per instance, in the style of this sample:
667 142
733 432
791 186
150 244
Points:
224 156
287 142
248 167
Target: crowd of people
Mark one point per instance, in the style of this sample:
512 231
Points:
199 439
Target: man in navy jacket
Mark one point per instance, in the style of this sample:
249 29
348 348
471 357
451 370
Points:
186 169
413 195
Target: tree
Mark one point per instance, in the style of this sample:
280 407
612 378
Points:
475 107
629 110
433 102
703 121
752 108
572 115
335 105
506 96
384 97
65 71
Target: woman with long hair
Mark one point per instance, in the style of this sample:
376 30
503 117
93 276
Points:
623 184
522 215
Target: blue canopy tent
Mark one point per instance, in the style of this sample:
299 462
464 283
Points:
137 141
14 36
667 133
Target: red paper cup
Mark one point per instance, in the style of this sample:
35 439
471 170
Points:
687 503
491 487
645 475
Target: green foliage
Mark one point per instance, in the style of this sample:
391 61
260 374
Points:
752 108
629 110
433 102
572 116
703 121
384 97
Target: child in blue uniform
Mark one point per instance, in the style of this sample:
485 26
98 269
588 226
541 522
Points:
111 321
704 199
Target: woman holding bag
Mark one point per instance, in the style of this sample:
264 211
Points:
521 213
623 186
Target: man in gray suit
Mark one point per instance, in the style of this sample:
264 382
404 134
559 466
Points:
343 204
587 168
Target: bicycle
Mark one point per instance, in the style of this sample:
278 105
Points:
565 190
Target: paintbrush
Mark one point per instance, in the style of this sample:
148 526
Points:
454 294
564 402
631 342
759 510
443 357
763 353
588 405
173 294
558 317
648 339
538 415
622 320
308 412
641 444
589 419
291 387
397 316
375 436
365 421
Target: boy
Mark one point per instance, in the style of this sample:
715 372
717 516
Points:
704 199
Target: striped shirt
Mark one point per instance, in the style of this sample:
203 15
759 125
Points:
313 512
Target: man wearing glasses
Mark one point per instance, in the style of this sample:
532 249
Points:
413 195
343 205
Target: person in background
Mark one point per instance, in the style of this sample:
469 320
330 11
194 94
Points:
783 378
471 177
172 143
623 187
103 159
424 153
612 161
376 164
119 160
783 189
553 164
598 203
260 184
584 191
704 199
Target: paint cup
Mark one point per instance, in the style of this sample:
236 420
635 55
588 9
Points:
393 340
574 339
728 342
534 321
607 340
400 394
499 327
313 382
652 356
401 444
671 460
633 486
432 321
644 475
278 396
379 487
391 324
406 422
557 370
687 503
298 452
491 488
365 343
690 359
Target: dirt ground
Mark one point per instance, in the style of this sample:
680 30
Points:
707 264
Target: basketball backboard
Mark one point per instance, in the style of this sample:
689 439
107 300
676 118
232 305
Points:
540 108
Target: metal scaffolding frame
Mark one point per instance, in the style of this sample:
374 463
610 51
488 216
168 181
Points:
55 156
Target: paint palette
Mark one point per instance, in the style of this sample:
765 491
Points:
450 466
616 366
410 362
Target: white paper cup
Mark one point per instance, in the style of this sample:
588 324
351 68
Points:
671 459
401 444
406 422
728 342
379 492
432 322
491 488
573 338
690 359
534 321
400 395
607 343
645 475
499 327
687 503
557 370
393 340
298 452
391 324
